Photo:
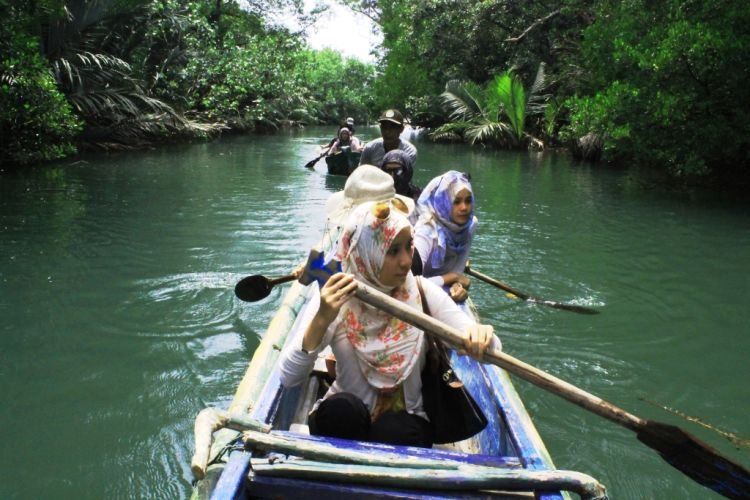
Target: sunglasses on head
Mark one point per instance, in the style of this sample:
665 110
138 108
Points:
382 210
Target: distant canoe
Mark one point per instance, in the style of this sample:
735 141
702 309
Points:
343 162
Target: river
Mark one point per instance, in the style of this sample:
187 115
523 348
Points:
120 324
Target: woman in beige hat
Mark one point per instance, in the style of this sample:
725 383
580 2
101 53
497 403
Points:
366 183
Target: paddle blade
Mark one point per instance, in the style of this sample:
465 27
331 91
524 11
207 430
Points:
566 307
311 163
253 288
696 459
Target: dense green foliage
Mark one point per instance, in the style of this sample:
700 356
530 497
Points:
667 85
147 71
338 87
36 122
660 84
429 43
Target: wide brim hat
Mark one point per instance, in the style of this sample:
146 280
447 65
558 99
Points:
366 183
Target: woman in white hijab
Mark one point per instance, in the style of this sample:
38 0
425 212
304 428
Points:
377 394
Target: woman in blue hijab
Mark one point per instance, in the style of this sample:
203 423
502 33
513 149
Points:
444 231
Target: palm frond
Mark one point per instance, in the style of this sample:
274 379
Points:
488 132
463 100
509 91
450 132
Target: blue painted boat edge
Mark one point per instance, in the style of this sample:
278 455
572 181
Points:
231 483
531 448
527 442
313 490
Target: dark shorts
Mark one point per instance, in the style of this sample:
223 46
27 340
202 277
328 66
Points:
345 416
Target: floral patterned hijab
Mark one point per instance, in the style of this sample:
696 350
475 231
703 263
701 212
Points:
387 348
434 208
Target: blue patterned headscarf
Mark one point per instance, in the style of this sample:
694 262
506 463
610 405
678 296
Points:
434 208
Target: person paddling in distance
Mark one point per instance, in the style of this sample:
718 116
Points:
344 140
444 231
391 126
349 124
376 395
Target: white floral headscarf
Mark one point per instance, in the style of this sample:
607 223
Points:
387 348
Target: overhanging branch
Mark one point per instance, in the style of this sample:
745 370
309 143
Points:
533 26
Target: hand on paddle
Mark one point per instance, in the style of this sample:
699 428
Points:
459 286
477 339
458 293
334 294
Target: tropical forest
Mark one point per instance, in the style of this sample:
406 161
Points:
615 82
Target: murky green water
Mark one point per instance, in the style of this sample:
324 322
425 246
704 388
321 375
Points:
119 322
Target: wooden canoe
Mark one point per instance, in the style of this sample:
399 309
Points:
506 460
343 162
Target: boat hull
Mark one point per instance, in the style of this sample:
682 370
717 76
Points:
508 455
343 162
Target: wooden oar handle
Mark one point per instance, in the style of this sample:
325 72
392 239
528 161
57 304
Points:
283 279
524 296
497 283
454 337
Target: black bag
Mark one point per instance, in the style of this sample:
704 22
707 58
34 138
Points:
453 413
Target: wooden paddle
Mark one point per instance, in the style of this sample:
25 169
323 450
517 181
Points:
311 163
527 297
683 451
256 287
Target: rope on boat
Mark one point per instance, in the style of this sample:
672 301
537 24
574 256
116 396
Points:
236 444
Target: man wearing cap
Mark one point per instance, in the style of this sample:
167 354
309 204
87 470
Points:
391 126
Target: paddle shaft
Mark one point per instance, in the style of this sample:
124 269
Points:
282 279
680 449
311 163
527 297
497 283
527 372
